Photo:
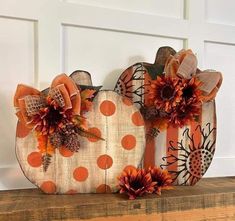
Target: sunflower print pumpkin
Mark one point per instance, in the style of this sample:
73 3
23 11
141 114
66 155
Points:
177 102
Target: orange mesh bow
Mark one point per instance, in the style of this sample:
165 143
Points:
32 106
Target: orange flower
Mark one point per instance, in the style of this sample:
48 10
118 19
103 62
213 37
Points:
183 115
190 105
162 179
165 93
135 182
191 90
175 98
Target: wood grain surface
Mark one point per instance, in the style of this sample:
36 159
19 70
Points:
186 152
211 199
97 164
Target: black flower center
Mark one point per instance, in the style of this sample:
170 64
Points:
158 180
136 184
167 92
188 92
54 116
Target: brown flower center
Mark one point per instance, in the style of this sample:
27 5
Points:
167 92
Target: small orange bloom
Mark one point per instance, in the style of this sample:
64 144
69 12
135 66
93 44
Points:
135 182
162 178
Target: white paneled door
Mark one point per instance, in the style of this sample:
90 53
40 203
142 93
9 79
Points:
41 38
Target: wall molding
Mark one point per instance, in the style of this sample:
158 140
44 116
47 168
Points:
50 18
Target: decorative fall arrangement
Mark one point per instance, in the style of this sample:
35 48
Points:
138 182
56 115
156 129
176 100
70 136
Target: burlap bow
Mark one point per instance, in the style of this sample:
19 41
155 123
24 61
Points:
29 101
184 64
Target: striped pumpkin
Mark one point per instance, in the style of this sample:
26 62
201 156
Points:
187 151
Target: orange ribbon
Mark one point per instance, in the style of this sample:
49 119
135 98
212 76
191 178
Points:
28 101
184 64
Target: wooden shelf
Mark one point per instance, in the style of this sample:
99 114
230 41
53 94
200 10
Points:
211 199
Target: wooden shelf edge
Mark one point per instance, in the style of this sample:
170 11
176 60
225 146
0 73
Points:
210 194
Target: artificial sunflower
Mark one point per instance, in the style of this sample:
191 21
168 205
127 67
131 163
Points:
165 93
191 89
135 182
175 97
184 114
162 179
190 106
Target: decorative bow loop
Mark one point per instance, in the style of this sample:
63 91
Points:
22 95
212 81
184 65
69 89
63 95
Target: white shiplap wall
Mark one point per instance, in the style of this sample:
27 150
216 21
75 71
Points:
41 38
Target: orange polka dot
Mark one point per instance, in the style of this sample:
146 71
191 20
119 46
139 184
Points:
103 188
72 192
104 161
35 159
128 142
95 131
80 174
127 101
137 119
21 130
107 108
48 187
65 152
129 167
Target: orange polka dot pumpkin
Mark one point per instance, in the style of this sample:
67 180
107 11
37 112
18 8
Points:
95 166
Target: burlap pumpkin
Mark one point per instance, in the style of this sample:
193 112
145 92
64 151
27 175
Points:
95 167
186 151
